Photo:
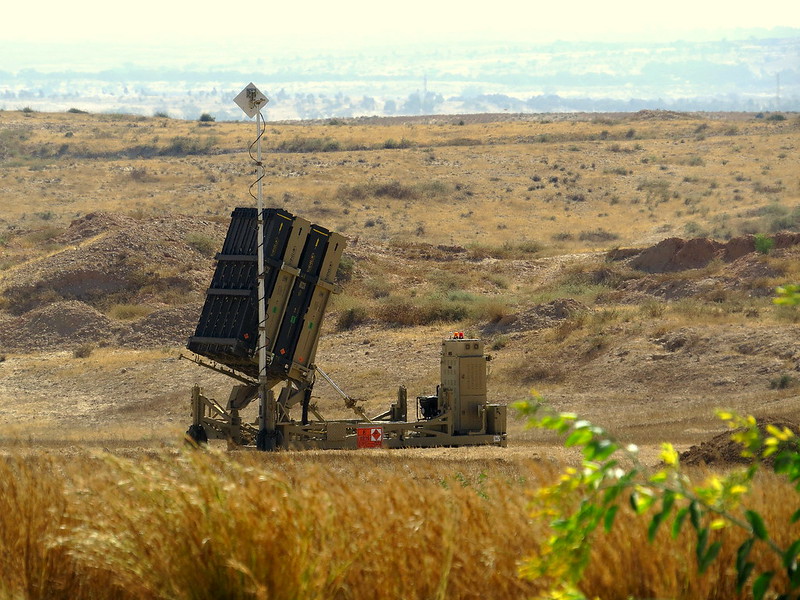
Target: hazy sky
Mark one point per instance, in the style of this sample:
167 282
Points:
302 23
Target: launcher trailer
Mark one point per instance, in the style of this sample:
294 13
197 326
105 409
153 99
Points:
300 261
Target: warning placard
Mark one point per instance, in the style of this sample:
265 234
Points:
370 437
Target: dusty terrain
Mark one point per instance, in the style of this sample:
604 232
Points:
642 380
644 331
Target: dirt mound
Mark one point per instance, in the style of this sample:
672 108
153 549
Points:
722 450
676 254
786 239
57 301
61 325
66 325
116 259
91 225
540 316
171 326
750 275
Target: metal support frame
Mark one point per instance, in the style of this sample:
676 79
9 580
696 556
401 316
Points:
225 424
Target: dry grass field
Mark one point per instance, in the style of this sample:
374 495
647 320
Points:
611 262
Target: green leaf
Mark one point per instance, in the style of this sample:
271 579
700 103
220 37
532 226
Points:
761 585
743 552
641 503
611 494
757 523
677 524
794 576
655 523
694 513
608 520
702 541
796 516
790 556
667 501
599 450
579 437
709 556
743 574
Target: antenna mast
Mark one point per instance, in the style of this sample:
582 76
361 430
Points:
251 100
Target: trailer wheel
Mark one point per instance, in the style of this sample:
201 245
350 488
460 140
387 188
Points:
267 441
196 435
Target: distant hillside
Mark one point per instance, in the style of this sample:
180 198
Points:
726 75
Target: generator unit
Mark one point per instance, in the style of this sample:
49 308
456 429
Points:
300 260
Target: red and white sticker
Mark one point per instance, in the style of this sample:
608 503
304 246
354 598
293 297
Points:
370 437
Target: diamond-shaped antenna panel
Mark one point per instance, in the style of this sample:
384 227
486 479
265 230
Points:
251 100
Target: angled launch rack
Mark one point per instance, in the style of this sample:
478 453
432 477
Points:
300 264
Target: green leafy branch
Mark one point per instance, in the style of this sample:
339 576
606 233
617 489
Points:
788 295
585 498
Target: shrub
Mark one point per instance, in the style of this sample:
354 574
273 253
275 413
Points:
141 175
351 317
500 342
43 237
433 188
597 235
202 244
398 311
181 145
77 111
763 243
437 309
344 272
766 188
788 295
392 144
782 382
83 351
521 249
393 189
492 310
715 512
445 311
624 149
128 312
316 144
207 118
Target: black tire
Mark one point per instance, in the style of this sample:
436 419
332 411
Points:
196 435
268 441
